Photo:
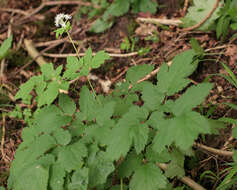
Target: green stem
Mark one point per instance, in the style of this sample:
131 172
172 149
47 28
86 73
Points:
73 44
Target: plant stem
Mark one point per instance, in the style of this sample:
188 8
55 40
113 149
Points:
73 44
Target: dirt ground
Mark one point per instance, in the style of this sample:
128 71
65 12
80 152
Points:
19 66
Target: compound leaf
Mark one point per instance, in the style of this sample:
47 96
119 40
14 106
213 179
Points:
79 180
194 96
132 162
99 59
56 180
67 105
148 176
137 72
188 126
174 78
70 157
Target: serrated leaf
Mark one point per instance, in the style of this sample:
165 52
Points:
140 137
198 12
194 96
62 136
56 180
100 25
73 65
148 176
152 156
47 71
50 94
71 157
132 162
174 78
99 59
117 8
123 134
25 89
196 47
181 130
145 6
88 104
137 72
5 46
99 169
48 119
151 96
67 105
79 180
26 157
176 166
104 114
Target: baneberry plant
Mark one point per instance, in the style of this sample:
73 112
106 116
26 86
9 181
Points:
97 144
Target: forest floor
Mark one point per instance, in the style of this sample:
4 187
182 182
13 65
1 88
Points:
169 41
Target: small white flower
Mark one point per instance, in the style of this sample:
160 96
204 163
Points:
61 19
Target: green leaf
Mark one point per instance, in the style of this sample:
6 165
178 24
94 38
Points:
196 47
73 65
124 133
99 59
100 25
88 104
49 119
50 94
117 8
71 157
140 137
67 105
148 176
152 96
5 46
145 6
26 160
194 96
99 169
181 130
231 74
25 89
152 156
47 71
79 180
174 78
198 12
137 72
128 166
56 180
62 136
176 166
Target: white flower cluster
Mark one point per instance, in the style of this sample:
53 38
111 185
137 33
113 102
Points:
61 19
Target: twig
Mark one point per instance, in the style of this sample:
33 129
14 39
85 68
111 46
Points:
174 22
33 52
185 7
213 150
52 3
204 20
188 181
82 54
3 138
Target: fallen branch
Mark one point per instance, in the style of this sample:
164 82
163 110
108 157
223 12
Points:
33 52
188 181
213 150
52 3
82 54
174 22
